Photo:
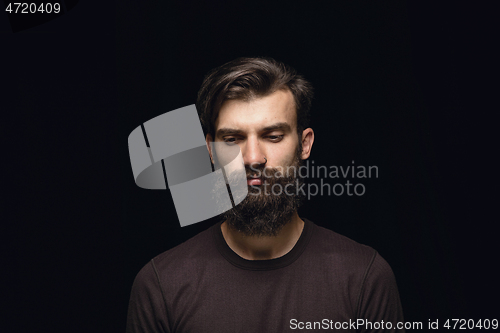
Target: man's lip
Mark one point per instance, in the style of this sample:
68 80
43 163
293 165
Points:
254 181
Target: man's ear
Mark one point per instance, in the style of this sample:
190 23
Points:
208 140
307 142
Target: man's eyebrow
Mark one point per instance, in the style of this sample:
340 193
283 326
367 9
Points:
278 126
227 131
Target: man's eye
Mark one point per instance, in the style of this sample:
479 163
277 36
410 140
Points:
275 138
230 141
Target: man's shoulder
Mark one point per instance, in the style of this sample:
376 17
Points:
189 253
349 260
186 257
332 246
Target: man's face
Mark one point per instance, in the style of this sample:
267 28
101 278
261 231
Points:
264 129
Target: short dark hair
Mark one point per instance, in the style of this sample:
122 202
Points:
249 78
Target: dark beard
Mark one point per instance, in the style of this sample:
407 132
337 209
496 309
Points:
265 212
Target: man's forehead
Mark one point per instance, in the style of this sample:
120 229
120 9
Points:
277 109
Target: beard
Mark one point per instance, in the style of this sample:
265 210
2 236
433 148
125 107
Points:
268 207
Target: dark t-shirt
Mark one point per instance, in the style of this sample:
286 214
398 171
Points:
326 282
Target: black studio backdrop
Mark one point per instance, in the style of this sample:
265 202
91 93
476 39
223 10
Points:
63 248
407 87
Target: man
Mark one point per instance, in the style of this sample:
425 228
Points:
263 268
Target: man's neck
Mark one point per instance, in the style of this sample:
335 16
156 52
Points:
264 247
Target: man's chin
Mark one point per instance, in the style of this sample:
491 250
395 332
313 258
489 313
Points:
264 212
257 227
259 217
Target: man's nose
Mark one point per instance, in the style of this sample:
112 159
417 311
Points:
253 154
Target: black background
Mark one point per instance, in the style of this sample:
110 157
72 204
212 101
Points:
408 87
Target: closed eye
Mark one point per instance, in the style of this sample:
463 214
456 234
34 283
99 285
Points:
275 138
230 141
